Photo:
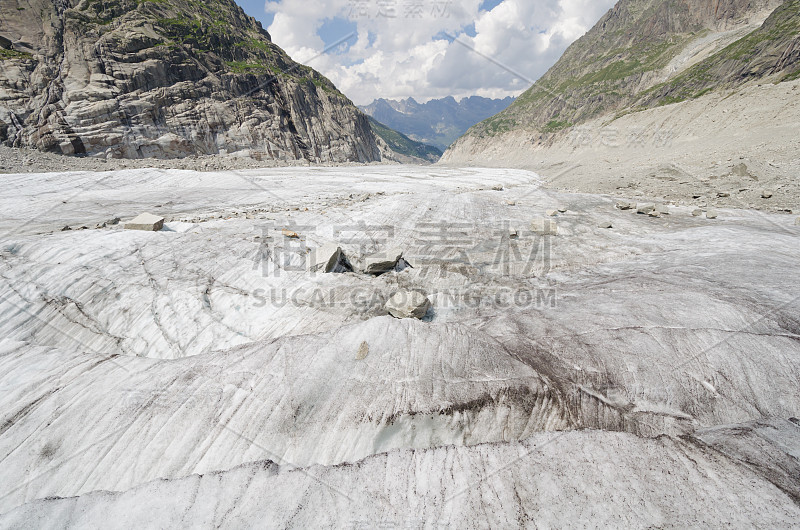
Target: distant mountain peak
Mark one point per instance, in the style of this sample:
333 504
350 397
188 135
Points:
437 122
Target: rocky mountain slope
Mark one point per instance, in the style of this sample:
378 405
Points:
632 60
438 122
165 78
640 79
403 148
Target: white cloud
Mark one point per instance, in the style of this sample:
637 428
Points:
398 54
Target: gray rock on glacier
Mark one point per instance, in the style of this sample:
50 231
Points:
363 351
383 261
408 304
146 222
625 205
740 170
645 208
329 258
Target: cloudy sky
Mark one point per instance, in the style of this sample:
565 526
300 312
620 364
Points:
427 48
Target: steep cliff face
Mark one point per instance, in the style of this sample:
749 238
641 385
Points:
771 50
165 78
398 147
644 54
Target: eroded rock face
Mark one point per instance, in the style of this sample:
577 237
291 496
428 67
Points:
150 78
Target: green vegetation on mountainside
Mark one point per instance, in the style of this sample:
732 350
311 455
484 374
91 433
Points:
615 67
402 144
216 32
13 54
774 48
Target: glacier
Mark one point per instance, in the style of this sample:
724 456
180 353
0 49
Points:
644 375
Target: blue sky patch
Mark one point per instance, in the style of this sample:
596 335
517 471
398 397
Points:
334 30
